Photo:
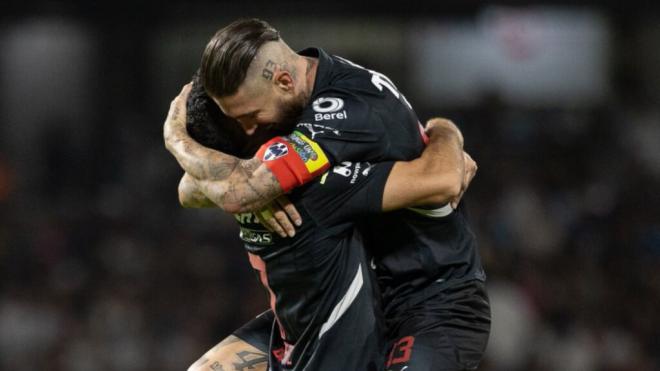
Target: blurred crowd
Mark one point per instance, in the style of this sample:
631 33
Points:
101 269
565 207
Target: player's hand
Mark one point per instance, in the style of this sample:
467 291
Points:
439 123
280 216
470 170
175 123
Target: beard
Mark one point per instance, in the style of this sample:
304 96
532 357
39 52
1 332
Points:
288 118
289 115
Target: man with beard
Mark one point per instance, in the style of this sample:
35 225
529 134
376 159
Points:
426 260
323 263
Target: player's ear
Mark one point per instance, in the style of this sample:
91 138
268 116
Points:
283 80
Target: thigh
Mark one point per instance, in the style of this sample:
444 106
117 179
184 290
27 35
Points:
245 349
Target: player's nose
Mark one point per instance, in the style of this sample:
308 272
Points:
249 127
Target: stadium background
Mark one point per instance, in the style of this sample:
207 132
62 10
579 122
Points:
101 269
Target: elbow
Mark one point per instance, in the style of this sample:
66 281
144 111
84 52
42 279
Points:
184 200
185 203
232 208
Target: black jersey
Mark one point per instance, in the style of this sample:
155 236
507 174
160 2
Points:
359 115
319 281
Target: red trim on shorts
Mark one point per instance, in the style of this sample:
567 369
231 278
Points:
259 265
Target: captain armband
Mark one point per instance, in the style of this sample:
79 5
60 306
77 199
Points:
294 159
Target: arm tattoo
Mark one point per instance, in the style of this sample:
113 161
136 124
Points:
249 360
197 160
233 184
250 188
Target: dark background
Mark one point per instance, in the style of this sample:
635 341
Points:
101 269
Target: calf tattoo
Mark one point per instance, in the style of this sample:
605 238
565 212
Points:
249 360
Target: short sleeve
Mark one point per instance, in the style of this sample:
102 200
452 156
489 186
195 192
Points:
347 191
345 127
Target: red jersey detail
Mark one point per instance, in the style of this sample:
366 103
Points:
293 160
401 351
425 137
259 265
278 353
280 157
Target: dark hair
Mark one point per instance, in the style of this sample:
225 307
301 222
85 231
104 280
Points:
228 55
210 127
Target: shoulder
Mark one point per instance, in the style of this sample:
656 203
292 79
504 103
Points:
335 111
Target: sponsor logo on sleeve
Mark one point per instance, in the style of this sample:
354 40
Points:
344 169
329 108
316 129
309 151
275 151
352 170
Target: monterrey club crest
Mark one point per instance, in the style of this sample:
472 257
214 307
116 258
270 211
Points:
276 150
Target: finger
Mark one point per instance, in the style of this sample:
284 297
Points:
290 209
272 223
268 220
182 97
186 90
436 121
439 122
283 221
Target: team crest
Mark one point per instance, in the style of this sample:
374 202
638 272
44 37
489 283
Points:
275 151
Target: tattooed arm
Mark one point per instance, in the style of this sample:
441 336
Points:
233 184
279 216
232 354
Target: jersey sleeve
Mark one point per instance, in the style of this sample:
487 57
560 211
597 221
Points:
346 127
348 191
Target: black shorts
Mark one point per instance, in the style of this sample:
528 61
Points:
440 328
350 339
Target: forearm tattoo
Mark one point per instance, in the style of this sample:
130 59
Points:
243 185
251 187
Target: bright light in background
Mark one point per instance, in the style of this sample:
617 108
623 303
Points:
46 65
531 56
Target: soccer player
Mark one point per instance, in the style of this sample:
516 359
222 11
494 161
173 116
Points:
308 274
426 260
